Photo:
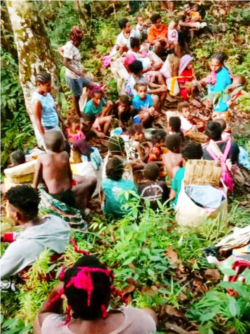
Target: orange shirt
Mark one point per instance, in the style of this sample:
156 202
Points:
154 34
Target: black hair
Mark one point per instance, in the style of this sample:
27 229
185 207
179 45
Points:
182 105
89 117
192 151
122 23
155 17
96 92
116 145
173 142
158 136
73 120
213 130
134 42
135 128
222 123
78 298
54 141
221 56
125 99
43 77
24 198
136 67
151 171
114 169
17 157
175 123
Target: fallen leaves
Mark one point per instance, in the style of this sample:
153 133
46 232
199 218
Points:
212 274
172 256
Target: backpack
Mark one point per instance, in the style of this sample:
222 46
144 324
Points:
226 175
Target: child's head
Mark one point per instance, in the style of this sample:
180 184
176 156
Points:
97 97
184 109
141 88
174 124
151 171
54 141
124 101
192 151
173 143
116 145
135 44
239 79
173 25
88 120
74 124
43 82
213 130
156 20
159 137
136 132
222 123
140 19
114 169
125 25
76 35
17 158
187 7
136 67
195 7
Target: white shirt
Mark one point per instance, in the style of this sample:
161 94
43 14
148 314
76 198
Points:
71 52
122 40
185 124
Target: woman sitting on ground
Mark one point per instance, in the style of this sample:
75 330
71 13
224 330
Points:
219 78
87 308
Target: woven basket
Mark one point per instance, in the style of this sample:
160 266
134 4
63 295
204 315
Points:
202 172
23 173
197 136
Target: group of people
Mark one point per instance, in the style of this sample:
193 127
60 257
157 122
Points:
143 151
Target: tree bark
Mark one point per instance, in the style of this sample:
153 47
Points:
33 47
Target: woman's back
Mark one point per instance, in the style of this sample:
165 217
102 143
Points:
129 321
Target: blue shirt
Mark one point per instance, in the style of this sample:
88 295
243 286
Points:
139 104
222 80
49 117
114 197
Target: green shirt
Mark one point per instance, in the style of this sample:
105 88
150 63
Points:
176 183
90 108
114 197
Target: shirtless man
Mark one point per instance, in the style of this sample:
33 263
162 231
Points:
54 168
172 159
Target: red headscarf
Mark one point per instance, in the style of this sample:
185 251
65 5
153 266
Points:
76 33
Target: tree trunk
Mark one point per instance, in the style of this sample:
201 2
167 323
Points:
33 47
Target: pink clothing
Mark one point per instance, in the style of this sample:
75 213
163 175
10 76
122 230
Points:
173 35
211 78
76 136
136 321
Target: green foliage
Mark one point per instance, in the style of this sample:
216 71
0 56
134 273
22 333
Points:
217 311
14 326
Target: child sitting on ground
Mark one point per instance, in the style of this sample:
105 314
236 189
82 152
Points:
124 109
152 190
113 186
135 76
158 149
173 34
191 151
17 158
141 27
191 131
101 110
143 104
172 159
116 147
54 168
174 126
73 131
134 148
